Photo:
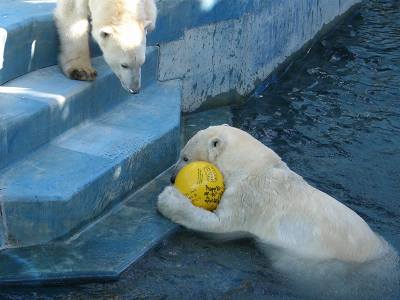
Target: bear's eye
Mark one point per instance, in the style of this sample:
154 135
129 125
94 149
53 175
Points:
185 159
124 66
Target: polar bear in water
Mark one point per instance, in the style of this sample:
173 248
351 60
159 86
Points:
266 200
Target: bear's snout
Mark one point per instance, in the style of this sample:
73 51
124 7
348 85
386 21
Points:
134 91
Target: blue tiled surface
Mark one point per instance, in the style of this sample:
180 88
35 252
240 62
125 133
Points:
44 103
100 252
75 177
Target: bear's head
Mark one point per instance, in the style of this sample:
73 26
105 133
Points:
232 150
124 50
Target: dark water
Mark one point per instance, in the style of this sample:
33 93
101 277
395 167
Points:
334 117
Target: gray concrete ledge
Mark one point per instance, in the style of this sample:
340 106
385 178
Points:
237 43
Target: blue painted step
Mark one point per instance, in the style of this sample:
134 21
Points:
102 251
28 38
40 105
72 179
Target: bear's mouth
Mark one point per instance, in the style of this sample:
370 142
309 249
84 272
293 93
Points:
132 91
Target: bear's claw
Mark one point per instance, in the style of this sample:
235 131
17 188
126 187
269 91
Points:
84 75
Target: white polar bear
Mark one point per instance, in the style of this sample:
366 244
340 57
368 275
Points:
119 27
266 200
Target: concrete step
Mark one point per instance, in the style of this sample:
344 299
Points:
73 178
40 105
28 38
100 252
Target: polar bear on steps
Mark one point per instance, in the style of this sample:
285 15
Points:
119 27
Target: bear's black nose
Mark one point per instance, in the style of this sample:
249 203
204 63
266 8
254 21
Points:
133 91
172 179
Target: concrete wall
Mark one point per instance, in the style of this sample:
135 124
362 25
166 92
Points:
220 48
235 44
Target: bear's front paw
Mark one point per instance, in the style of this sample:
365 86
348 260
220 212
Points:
171 203
84 74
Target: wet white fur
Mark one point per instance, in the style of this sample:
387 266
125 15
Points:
119 27
266 200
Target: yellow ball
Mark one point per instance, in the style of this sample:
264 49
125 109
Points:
202 183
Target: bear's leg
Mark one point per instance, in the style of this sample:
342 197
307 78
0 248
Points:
151 14
173 205
73 29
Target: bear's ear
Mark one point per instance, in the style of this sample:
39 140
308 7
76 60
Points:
148 25
215 147
105 32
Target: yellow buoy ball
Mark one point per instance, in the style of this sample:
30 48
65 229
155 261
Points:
202 183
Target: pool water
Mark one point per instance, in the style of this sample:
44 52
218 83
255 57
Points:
334 117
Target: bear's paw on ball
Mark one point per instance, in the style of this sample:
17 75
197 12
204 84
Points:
202 183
